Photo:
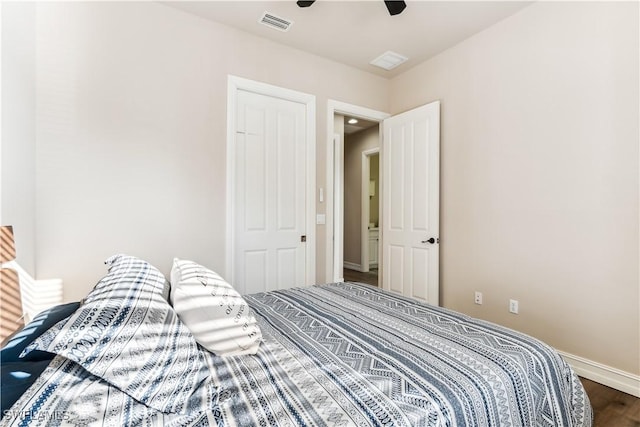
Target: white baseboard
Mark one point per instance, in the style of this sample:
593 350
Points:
603 374
352 266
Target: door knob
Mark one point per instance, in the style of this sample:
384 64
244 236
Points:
431 240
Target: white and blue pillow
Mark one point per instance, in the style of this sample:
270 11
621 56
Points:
127 334
17 373
13 345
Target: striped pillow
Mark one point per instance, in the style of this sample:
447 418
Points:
127 334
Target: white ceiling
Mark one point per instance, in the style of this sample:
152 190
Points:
356 32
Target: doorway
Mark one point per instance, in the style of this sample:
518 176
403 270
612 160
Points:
409 176
341 201
361 190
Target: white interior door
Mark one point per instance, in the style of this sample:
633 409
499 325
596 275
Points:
411 203
270 230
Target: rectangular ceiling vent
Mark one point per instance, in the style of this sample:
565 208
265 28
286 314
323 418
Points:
389 60
275 22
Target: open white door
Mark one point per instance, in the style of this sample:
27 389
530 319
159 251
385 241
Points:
411 203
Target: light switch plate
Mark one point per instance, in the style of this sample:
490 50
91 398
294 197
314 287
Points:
321 219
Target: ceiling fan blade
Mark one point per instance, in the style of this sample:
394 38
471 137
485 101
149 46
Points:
394 7
302 3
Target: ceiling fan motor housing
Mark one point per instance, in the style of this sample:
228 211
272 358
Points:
394 7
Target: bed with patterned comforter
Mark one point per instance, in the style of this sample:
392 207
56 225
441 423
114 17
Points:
342 354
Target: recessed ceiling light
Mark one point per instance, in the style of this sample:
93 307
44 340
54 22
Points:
389 60
352 121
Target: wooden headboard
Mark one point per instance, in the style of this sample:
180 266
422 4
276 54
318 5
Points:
11 318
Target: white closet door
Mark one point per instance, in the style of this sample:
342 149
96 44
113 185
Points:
270 193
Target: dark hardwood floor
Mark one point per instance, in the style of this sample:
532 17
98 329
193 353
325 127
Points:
370 278
611 408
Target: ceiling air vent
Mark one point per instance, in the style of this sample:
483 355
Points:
389 60
275 22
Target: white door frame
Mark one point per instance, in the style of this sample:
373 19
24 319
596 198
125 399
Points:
334 224
234 84
364 221
338 207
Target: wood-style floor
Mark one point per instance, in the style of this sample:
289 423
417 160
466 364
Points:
611 408
370 278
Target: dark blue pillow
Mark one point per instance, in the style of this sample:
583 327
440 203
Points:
40 324
16 378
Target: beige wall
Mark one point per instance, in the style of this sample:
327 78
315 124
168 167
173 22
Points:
539 174
354 145
17 153
132 131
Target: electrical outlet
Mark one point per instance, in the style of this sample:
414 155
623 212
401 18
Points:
478 298
513 306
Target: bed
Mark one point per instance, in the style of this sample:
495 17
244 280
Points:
340 354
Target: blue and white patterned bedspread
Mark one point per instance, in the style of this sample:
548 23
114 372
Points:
348 354
68 395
